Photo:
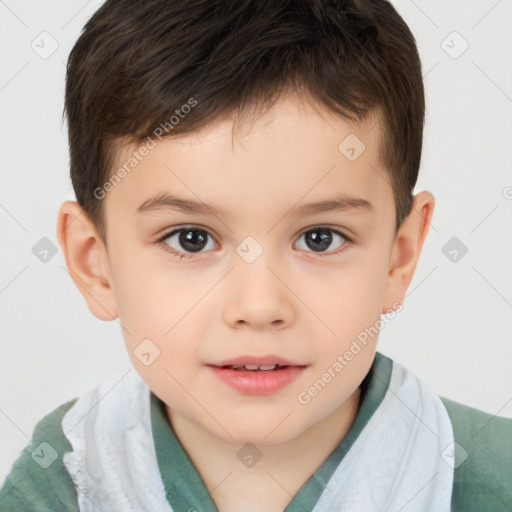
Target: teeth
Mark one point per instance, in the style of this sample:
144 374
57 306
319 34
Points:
255 367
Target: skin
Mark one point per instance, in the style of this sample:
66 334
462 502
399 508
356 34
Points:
291 301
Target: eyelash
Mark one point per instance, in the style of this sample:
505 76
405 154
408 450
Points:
183 255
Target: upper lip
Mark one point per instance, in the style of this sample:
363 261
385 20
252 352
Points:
256 360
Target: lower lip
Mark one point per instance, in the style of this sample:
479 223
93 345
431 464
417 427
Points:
260 382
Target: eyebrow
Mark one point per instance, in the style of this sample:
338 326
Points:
170 202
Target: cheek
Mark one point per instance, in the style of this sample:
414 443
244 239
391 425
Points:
150 293
160 303
351 298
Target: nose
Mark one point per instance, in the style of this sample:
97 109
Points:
257 297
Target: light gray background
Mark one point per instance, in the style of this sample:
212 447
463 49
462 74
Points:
454 331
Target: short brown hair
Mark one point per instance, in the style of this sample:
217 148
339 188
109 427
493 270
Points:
136 62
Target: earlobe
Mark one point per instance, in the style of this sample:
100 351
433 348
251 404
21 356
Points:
407 249
87 260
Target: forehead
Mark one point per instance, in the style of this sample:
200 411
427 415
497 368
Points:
295 152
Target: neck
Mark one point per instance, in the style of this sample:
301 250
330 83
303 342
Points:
278 475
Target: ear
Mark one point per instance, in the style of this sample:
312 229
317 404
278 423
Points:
87 260
406 250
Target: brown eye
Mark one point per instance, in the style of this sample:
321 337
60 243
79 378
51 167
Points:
187 240
192 240
320 239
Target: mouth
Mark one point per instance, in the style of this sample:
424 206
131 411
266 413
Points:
257 375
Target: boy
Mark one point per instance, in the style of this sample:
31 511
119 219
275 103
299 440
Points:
244 175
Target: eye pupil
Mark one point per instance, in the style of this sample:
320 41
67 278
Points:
193 240
319 239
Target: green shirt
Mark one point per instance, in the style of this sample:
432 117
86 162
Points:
39 481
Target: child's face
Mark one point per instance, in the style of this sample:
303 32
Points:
255 286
